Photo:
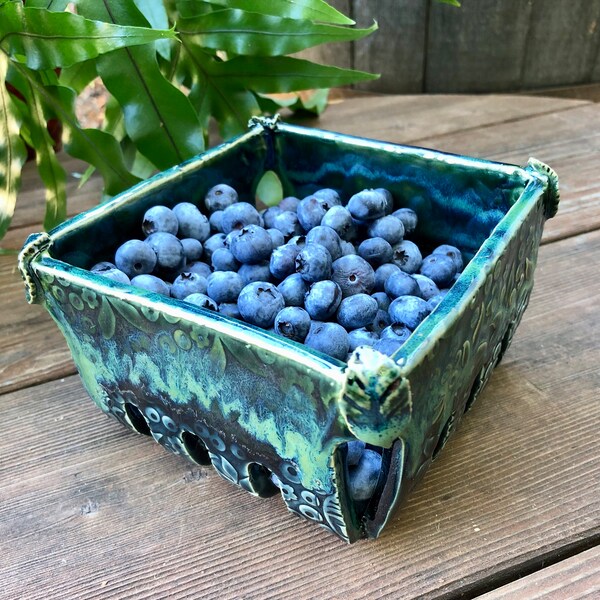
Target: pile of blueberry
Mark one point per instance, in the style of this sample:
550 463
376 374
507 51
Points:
328 275
331 276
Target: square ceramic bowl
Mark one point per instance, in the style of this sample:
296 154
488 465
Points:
222 392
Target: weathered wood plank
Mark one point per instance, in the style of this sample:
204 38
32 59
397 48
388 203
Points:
396 49
89 511
477 48
576 577
562 43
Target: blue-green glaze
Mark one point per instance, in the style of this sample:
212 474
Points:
220 391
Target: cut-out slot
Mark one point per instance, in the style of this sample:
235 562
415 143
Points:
195 448
444 435
138 422
260 480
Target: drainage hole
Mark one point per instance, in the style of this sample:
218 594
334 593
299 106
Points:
138 422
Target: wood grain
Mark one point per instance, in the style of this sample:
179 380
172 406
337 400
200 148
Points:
397 49
576 577
90 511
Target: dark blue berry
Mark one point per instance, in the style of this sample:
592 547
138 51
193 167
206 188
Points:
252 245
368 205
277 238
313 262
382 299
433 302
396 332
329 195
347 248
328 338
376 251
355 449
453 253
380 322
408 217
259 303
407 256
252 273
224 286
311 211
383 273
409 311
103 266
390 228
201 300
289 203
136 257
188 283
216 221
220 197
293 323
356 311
159 218
283 260
192 249
363 478
440 268
388 346
340 220
293 289
269 215
230 310
322 299
151 283
213 243
114 275
328 238
170 257
401 284
353 274
223 260
361 337
192 223
239 215
198 267
426 286
287 222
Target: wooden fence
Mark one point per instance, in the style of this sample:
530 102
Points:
484 46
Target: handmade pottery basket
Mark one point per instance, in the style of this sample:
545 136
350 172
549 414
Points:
222 392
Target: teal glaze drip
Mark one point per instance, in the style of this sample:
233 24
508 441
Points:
253 403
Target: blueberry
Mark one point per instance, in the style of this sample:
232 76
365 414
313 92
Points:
311 211
383 273
283 260
408 310
340 220
259 303
376 251
136 257
252 245
224 286
396 332
159 218
230 310
322 299
269 215
401 284
220 197
277 238
170 257
356 311
408 217
328 238
252 273
114 275
433 302
313 263
390 228
453 253
347 248
198 267
298 240
388 346
293 289
192 249
213 243
216 221
361 337
330 196
201 300
355 449
382 299
293 323
426 286
329 338
151 283
353 274
192 223
368 205
389 199
103 266
223 260
289 203
440 268
188 283
238 215
407 256
363 478
380 322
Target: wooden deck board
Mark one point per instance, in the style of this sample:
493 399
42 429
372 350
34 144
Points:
90 511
